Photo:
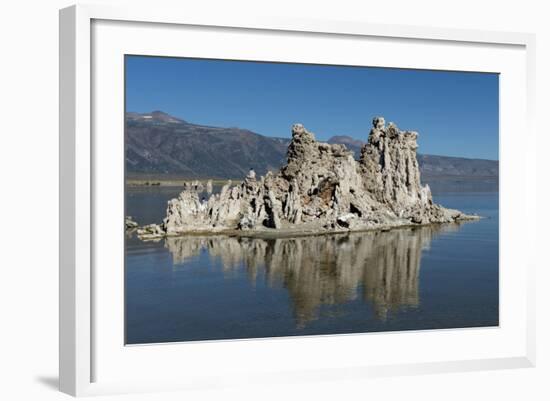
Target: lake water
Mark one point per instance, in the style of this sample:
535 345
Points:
219 287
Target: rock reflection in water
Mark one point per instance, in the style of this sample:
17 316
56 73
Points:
381 267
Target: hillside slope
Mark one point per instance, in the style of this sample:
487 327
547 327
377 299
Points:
158 144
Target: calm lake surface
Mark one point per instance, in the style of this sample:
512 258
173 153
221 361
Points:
219 287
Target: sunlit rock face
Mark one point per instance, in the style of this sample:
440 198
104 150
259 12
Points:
322 188
379 268
391 174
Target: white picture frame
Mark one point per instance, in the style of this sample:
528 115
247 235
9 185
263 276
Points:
82 345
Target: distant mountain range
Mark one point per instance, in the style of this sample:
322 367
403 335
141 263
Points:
432 165
158 144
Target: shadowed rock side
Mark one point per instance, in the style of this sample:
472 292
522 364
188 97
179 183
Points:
382 270
322 188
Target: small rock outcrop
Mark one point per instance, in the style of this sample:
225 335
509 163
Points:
129 223
322 188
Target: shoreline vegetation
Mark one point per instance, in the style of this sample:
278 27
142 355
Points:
174 182
179 181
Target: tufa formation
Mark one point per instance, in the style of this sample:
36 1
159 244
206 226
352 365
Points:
322 188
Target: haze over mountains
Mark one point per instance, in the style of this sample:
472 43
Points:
158 144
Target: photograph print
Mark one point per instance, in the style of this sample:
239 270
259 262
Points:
268 199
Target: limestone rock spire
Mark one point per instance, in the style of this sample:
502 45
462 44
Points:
322 188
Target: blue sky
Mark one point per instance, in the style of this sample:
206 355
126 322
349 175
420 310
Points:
455 113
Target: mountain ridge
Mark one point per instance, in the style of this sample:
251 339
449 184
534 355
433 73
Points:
160 144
